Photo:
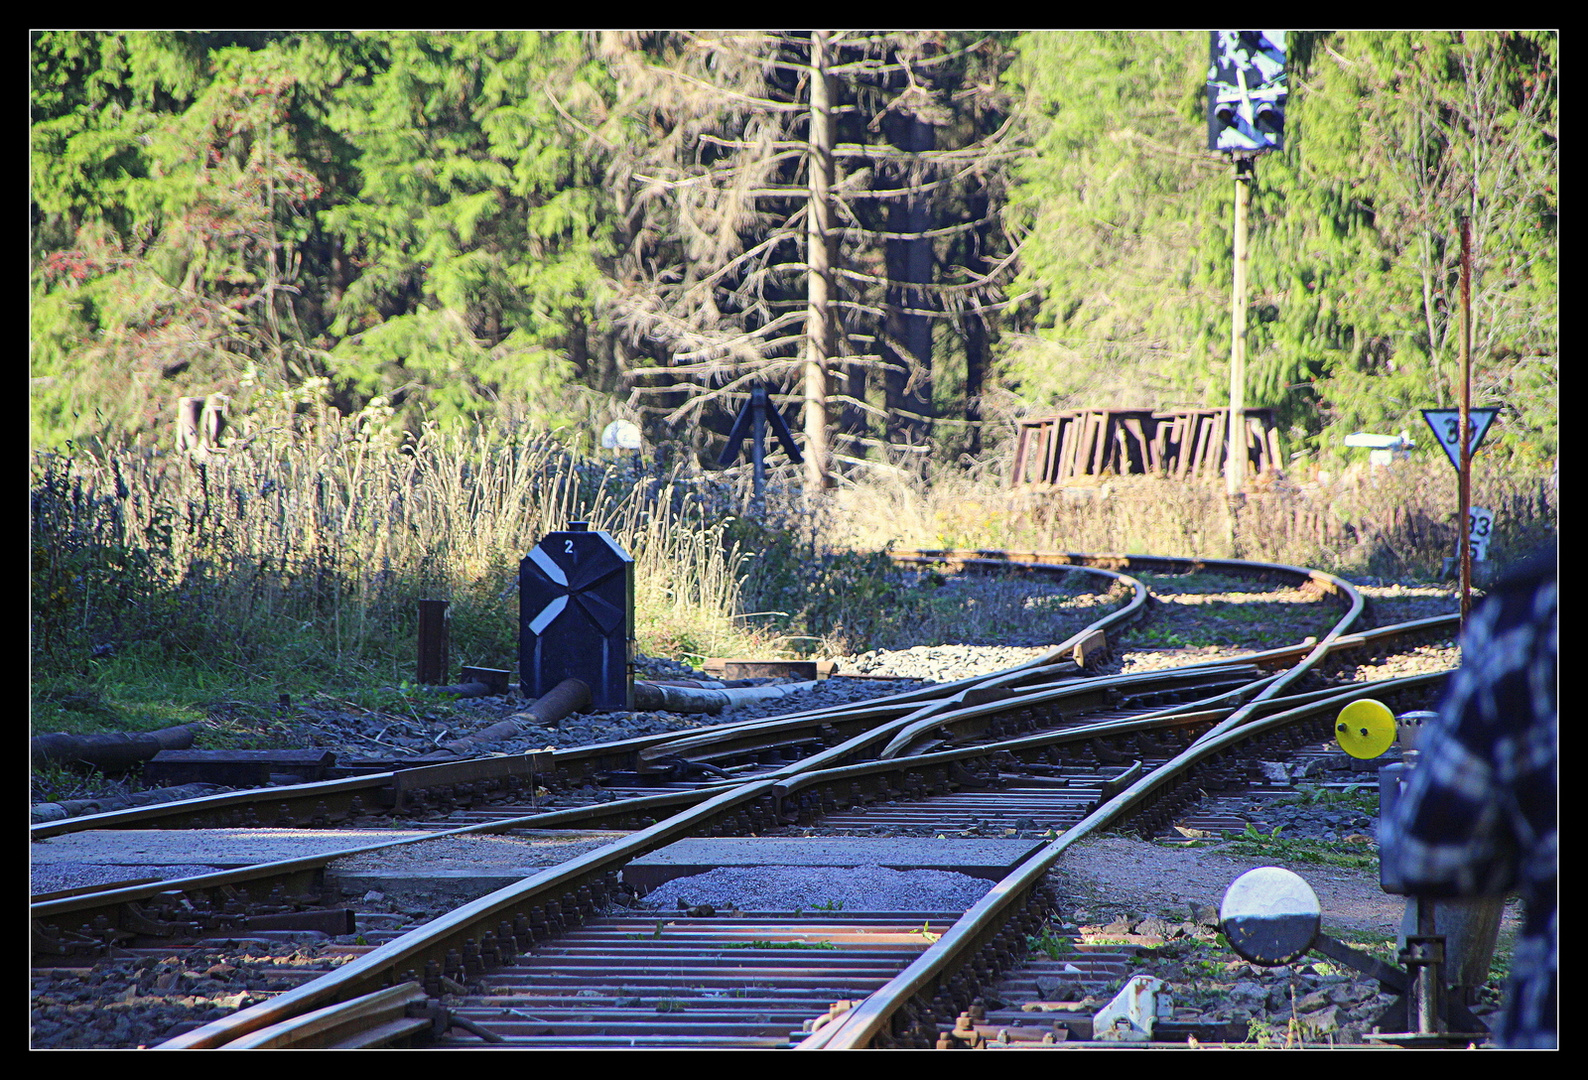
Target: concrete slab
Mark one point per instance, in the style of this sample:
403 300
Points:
444 870
456 869
988 859
208 847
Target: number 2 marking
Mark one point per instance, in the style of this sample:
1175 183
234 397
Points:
567 547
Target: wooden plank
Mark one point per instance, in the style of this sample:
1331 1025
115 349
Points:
1066 464
1017 475
1256 448
1218 443
1030 438
1097 429
1052 463
1103 452
1137 445
1191 435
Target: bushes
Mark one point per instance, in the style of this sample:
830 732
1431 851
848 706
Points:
93 580
823 600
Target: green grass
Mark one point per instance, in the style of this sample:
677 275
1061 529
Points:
1359 797
1053 946
135 692
1274 846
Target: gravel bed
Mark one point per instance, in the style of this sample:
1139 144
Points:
148 999
47 877
806 888
938 663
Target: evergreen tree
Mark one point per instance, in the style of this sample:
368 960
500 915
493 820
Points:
175 182
480 226
1353 265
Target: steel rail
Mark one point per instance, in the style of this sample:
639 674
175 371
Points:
638 752
930 700
1327 583
432 941
585 759
1040 562
860 1025
381 966
62 916
66 913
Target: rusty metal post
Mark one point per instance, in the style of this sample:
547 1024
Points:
1464 510
433 645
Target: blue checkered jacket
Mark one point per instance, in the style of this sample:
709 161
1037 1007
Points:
1478 816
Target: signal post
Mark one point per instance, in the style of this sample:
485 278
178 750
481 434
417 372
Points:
1247 95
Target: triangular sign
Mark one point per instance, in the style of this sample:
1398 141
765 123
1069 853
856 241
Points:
1446 425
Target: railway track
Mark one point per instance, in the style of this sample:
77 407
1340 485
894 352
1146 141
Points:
1044 750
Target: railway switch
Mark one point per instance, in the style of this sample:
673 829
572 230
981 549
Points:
576 616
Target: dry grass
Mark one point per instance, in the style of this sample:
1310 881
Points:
308 541
1391 522
313 536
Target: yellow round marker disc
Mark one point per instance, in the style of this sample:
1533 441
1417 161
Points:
1365 729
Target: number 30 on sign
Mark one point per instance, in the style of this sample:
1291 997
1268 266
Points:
1446 425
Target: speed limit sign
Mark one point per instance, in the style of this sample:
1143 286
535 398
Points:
1480 526
1446 425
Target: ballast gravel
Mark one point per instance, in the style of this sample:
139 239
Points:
808 888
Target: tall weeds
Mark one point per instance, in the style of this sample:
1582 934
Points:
312 537
308 541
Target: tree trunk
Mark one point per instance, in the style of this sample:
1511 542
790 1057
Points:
907 346
819 335
975 327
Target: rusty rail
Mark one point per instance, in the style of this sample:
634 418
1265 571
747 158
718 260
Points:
577 884
957 947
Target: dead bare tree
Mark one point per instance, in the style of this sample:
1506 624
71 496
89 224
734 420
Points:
789 214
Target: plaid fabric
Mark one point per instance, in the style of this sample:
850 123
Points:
1478 816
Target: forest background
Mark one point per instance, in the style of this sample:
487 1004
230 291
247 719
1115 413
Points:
427 269
561 229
